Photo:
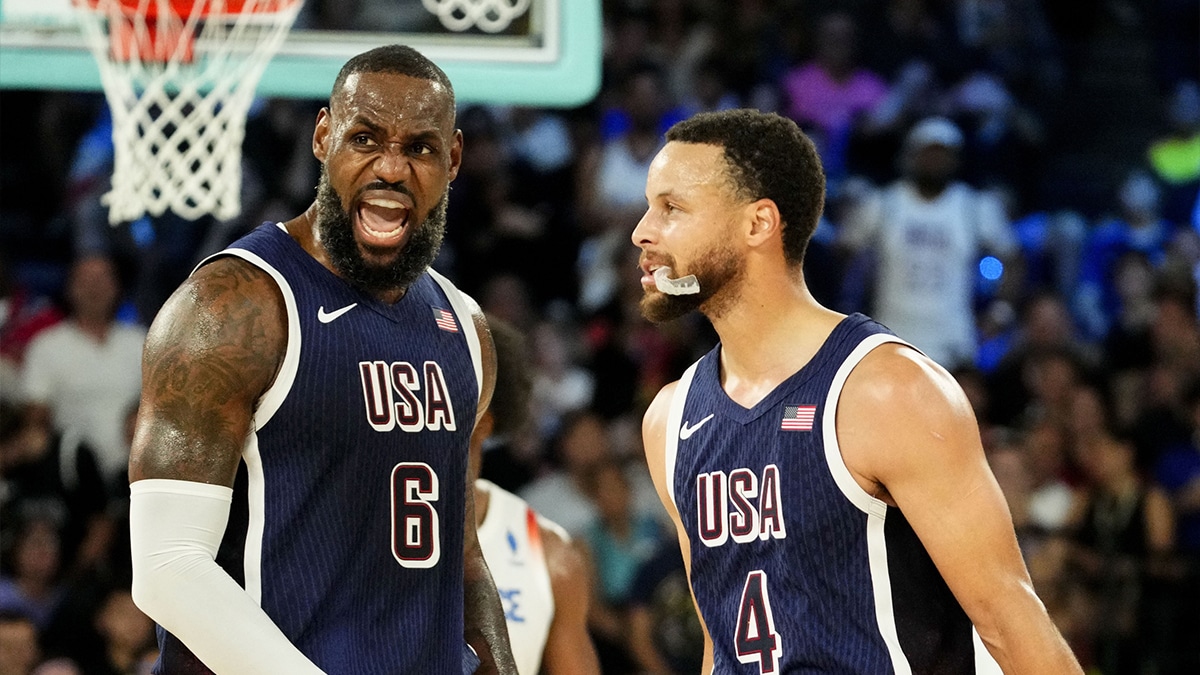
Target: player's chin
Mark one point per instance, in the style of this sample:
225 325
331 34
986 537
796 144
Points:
658 307
380 258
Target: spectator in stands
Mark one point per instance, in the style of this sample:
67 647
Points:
1124 531
81 374
1044 446
561 386
19 651
612 181
1178 472
42 472
23 314
1138 226
619 541
830 94
1174 157
31 582
926 232
709 90
582 443
665 637
127 635
1045 327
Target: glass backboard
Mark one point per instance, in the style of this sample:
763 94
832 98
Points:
523 52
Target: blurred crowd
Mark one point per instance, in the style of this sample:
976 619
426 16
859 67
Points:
1072 323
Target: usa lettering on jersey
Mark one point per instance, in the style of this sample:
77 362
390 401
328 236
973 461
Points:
739 506
397 394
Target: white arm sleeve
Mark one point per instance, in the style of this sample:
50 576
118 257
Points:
175 528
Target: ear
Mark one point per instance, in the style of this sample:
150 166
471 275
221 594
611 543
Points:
320 143
765 223
456 148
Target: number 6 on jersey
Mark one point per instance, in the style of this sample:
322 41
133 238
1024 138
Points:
416 539
756 639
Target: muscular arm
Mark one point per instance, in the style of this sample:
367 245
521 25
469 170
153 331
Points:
654 438
212 351
569 649
933 468
483 614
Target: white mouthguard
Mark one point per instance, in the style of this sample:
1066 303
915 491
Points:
682 286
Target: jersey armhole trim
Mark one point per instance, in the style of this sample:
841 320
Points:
833 452
674 420
467 321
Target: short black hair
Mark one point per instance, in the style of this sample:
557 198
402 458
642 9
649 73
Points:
396 59
514 383
768 157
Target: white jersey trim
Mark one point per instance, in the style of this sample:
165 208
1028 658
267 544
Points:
462 305
257 521
674 422
833 452
876 509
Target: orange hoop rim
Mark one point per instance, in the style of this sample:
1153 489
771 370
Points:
183 9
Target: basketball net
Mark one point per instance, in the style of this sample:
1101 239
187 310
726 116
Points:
179 76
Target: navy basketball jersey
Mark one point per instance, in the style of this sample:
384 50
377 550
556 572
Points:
795 567
347 521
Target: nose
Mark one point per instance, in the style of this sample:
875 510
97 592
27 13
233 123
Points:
643 232
392 164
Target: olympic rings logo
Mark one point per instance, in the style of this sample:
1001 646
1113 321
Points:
491 16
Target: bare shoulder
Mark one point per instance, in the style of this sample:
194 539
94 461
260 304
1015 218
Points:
900 410
563 558
654 422
212 351
893 372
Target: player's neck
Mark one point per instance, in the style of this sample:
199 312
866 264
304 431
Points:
771 332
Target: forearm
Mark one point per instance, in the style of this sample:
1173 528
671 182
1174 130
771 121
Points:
483 615
175 529
1029 643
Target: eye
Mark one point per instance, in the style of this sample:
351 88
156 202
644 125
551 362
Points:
362 139
422 149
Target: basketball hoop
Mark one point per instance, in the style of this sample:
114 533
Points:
179 76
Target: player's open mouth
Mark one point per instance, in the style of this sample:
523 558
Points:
382 220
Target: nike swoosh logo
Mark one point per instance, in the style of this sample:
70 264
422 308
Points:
685 432
326 317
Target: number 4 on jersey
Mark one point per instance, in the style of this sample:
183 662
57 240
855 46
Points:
756 639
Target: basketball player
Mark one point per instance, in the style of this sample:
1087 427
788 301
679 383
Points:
299 471
542 579
831 497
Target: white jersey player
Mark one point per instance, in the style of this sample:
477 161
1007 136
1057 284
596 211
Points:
543 580
927 232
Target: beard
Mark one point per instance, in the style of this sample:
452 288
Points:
336 228
719 273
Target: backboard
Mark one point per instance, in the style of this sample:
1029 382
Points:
522 52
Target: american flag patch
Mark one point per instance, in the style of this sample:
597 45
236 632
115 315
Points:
798 417
445 320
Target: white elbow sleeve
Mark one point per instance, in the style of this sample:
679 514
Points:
175 528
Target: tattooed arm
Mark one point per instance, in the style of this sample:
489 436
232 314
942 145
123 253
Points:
213 349
210 354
